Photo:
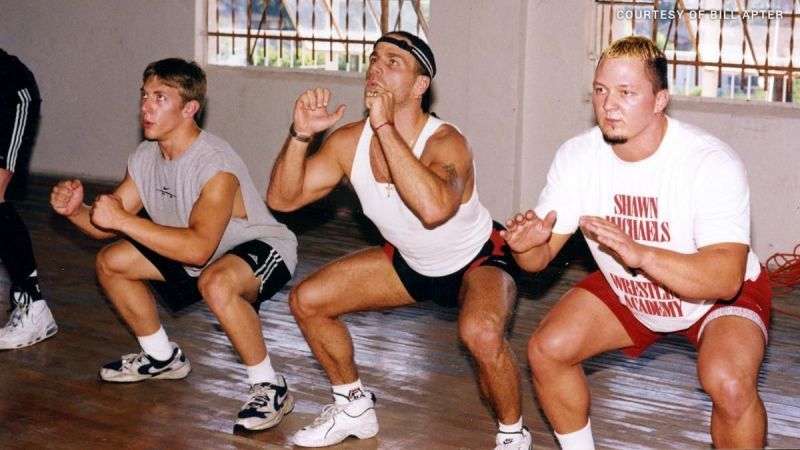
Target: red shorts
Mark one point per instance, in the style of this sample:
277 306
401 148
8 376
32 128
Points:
753 302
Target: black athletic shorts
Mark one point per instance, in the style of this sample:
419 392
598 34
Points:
444 290
19 118
179 289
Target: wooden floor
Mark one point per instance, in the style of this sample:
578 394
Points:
52 398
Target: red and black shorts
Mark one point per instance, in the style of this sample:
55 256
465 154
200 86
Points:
444 290
753 302
179 289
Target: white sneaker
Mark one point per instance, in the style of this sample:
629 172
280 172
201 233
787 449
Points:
139 366
520 440
338 422
30 322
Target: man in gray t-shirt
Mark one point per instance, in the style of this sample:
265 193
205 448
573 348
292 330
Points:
209 235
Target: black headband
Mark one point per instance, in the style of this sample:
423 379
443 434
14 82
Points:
418 48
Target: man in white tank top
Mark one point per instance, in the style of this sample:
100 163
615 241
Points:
665 211
415 178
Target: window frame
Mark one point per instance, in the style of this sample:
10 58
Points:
253 35
607 11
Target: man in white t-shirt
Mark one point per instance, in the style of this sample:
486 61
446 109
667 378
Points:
665 210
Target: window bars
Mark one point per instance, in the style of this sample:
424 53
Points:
738 49
321 34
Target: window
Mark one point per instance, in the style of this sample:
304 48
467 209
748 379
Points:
318 34
738 49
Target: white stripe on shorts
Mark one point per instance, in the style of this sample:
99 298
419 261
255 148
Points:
734 311
265 270
19 128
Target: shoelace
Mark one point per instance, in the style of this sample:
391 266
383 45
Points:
129 360
327 413
23 302
260 397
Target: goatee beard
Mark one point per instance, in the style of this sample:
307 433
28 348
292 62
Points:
614 140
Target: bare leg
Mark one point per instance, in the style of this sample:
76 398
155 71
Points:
363 281
578 327
229 287
5 179
121 270
729 357
488 296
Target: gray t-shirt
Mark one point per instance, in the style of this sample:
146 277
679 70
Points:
170 188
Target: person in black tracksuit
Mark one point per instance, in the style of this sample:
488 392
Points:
31 320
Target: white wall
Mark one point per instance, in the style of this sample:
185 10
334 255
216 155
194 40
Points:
252 109
514 75
88 57
481 59
557 78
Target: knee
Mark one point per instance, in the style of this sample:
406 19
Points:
482 336
547 350
731 390
216 287
304 300
109 262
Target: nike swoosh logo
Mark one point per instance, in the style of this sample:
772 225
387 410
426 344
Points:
149 369
279 399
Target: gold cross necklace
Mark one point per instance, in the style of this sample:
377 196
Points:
389 185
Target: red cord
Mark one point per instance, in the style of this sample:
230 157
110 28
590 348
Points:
783 270
788 313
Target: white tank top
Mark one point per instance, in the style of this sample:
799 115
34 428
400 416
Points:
431 252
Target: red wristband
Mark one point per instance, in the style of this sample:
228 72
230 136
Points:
388 122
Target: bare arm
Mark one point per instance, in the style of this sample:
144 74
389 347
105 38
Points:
432 186
714 272
193 245
532 241
298 180
66 199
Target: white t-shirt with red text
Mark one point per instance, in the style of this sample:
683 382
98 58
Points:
691 193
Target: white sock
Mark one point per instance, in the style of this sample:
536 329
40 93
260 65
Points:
342 392
262 373
577 440
513 428
157 345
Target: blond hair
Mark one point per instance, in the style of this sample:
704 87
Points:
645 50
